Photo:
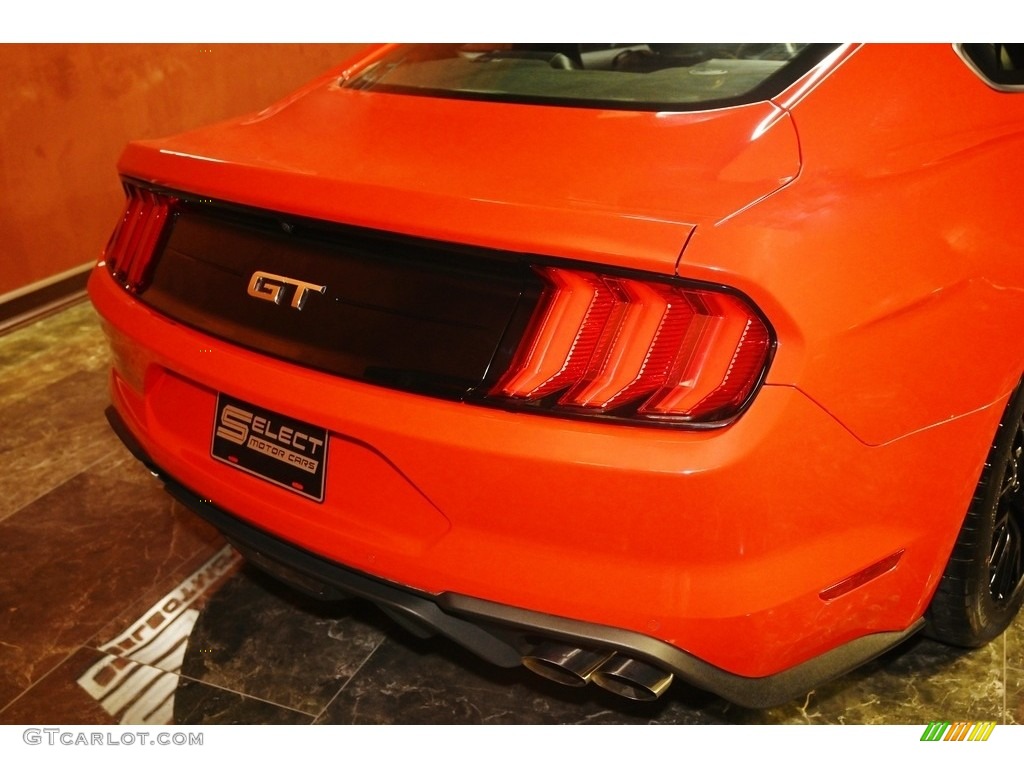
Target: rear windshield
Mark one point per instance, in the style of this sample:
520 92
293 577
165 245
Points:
656 76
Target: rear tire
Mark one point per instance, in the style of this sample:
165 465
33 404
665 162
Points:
982 588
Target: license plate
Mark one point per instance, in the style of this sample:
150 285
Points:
279 449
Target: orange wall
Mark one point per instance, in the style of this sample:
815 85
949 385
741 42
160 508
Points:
67 110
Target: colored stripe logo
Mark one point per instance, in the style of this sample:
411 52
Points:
943 730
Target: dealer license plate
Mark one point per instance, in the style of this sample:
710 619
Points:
277 448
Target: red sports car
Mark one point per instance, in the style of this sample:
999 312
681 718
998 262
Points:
618 361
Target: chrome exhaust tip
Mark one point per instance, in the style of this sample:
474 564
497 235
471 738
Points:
633 679
565 664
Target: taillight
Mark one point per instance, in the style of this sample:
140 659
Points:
640 349
129 254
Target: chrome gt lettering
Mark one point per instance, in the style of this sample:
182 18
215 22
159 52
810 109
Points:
270 287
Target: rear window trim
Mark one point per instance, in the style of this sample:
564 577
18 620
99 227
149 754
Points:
962 50
768 89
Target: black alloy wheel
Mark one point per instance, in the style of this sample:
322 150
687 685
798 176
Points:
982 588
1006 569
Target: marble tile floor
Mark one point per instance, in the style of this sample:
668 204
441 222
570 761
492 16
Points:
118 606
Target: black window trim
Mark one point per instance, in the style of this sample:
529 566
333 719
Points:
962 50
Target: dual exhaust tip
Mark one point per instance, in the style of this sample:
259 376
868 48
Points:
569 665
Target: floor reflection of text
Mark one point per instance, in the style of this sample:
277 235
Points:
135 682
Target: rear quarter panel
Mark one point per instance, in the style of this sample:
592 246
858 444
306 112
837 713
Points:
891 268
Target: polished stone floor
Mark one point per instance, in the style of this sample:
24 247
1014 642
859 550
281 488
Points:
118 606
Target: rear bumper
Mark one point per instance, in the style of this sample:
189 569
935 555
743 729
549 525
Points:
716 547
502 634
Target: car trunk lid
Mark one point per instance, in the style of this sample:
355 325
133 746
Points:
613 186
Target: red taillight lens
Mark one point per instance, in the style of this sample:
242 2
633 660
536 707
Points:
129 254
641 349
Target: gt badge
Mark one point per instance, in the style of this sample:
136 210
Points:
269 287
